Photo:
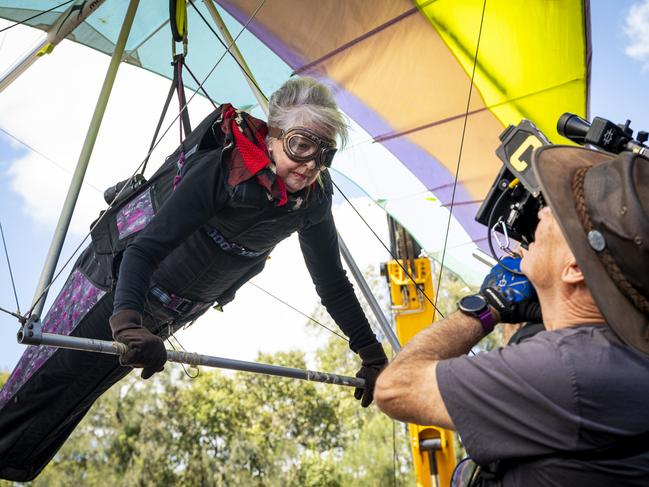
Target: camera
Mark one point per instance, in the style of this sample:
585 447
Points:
514 199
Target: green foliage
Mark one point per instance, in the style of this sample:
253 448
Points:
224 429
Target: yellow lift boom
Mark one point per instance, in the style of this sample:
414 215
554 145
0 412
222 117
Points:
432 448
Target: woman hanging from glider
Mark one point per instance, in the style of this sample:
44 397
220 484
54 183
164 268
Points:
187 239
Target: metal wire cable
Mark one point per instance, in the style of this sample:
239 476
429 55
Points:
347 199
57 275
394 257
301 312
200 86
459 158
244 71
48 159
195 367
11 274
34 16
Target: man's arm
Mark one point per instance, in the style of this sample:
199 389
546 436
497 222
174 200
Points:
407 389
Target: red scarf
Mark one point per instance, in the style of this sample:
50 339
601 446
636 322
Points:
249 156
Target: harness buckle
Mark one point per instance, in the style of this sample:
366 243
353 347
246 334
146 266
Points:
173 302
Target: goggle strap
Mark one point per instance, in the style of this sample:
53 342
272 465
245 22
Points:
275 132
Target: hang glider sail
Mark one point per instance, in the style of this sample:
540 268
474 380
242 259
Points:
430 85
402 72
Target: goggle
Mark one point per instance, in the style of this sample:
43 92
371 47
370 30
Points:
303 145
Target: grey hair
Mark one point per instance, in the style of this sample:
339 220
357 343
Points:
307 102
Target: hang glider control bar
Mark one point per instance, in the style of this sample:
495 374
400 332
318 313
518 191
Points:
32 334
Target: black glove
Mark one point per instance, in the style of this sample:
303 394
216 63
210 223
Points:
510 294
373 362
144 348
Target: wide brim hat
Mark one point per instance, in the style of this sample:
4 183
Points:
597 200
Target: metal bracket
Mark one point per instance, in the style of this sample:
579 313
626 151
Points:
31 333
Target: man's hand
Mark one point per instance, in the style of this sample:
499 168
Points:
373 362
510 294
144 348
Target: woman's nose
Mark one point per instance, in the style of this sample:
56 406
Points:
310 164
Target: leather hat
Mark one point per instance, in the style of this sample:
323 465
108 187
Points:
601 202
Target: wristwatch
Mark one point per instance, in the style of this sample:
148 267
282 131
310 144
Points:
477 306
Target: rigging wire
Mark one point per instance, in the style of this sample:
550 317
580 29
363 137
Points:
58 274
48 159
459 158
417 286
180 345
200 86
244 71
251 78
11 274
34 16
20 317
301 312
433 303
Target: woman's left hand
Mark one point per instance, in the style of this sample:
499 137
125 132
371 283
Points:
373 362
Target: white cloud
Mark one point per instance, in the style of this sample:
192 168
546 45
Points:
636 29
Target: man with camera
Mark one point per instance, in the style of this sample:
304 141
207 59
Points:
569 405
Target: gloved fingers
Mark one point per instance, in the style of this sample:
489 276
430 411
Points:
358 393
368 396
369 374
147 372
128 358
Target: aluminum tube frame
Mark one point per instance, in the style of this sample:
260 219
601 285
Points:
116 348
21 65
263 102
84 157
69 20
234 50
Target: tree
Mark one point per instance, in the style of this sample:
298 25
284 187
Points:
224 429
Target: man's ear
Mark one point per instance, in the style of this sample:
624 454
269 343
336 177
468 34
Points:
571 273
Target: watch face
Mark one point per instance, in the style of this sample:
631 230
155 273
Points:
472 304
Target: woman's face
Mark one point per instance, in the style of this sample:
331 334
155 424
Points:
296 175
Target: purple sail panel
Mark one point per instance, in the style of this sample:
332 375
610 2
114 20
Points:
76 298
135 215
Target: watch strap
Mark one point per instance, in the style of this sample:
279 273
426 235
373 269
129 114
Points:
487 320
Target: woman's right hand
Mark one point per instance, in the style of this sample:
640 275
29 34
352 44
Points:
144 349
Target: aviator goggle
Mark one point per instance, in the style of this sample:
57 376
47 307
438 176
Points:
303 145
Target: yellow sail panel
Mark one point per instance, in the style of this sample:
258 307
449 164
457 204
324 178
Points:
532 56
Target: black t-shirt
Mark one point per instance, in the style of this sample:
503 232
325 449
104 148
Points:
568 390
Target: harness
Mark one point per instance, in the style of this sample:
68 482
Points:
177 304
231 247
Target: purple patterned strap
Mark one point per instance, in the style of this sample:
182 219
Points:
181 163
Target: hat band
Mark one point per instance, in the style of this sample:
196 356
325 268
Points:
607 260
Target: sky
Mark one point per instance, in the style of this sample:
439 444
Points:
50 106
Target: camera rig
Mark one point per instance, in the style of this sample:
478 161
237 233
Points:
514 199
